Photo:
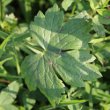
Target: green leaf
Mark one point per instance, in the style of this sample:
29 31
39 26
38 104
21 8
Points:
26 8
77 71
29 103
104 16
66 4
8 107
46 80
95 4
6 2
27 99
3 35
3 4
98 27
65 55
3 45
8 95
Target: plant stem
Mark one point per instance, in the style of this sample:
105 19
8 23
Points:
1 10
94 41
90 98
10 76
4 81
62 104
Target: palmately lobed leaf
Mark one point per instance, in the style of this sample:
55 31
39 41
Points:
65 57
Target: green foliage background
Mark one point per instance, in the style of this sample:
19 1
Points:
58 70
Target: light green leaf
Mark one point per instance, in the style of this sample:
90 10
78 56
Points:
95 4
8 95
6 2
29 103
62 58
8 107
66 4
